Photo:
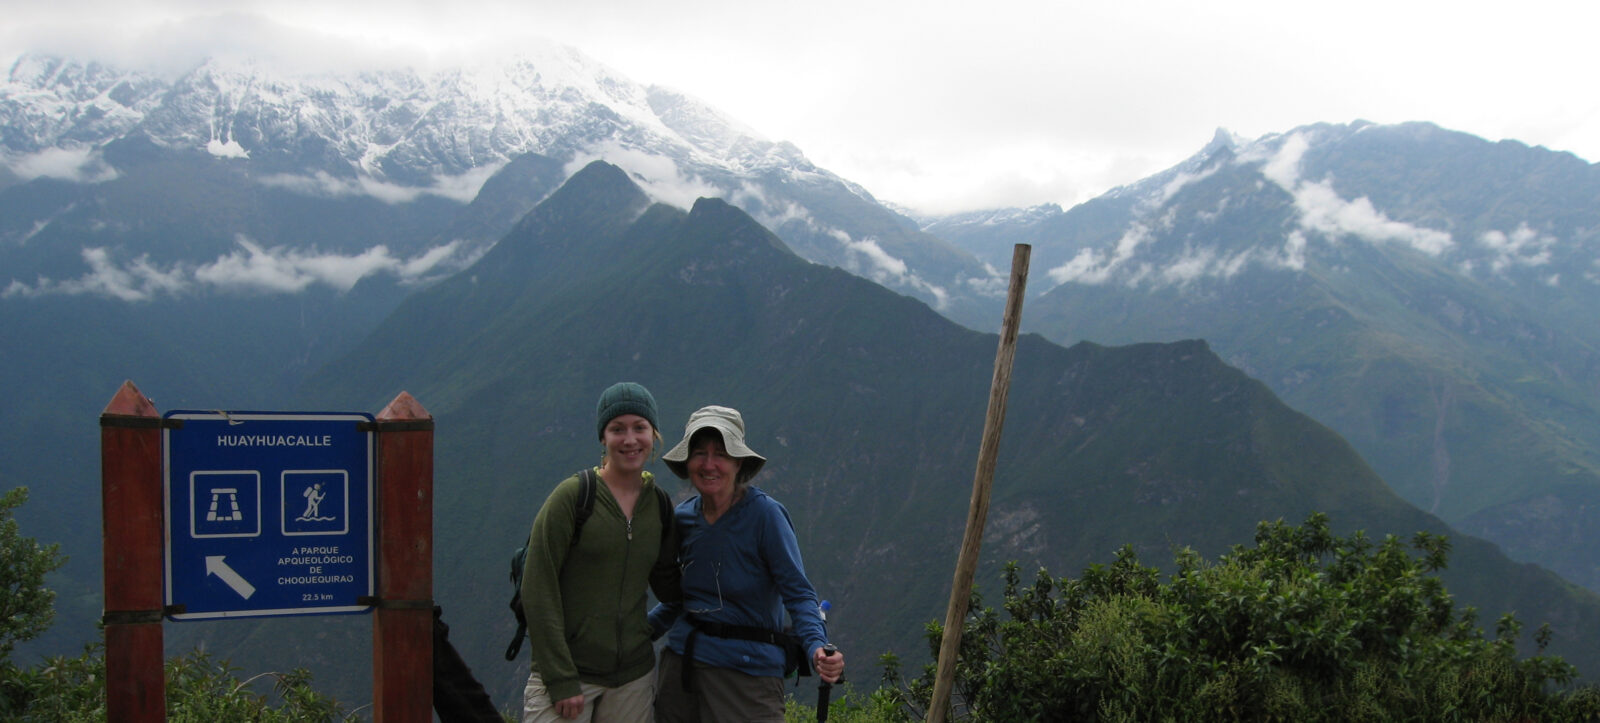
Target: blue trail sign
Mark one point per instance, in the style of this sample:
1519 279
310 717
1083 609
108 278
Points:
267 514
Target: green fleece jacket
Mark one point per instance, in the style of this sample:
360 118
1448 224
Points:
585 603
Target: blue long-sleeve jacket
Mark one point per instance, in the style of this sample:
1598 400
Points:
743 570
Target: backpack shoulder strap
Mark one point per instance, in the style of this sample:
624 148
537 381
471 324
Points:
580 514
664 507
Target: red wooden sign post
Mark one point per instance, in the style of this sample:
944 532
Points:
402 633
131 525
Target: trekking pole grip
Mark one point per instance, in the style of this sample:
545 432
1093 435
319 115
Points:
824 688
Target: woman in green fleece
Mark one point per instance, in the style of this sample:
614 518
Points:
585 597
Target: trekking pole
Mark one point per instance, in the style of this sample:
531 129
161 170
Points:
824 688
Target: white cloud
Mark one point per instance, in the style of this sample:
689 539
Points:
1522 247
280 270
1085 268
422 266
749 194
81 165
1283 167
994 283
323 183
658 176
1200 263
34 231
390 193
461 188
320 184
880 262
1190 266
885 268
1091 266
248 269
753 199
1322 210
256 269
1293 255
865 257
465 187
941 297
1181 179
138 281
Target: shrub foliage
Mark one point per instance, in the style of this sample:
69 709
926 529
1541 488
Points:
199 689
1303 626
26 605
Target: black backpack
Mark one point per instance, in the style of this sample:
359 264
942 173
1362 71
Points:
580 515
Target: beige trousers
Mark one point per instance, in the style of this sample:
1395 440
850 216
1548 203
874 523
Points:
629 703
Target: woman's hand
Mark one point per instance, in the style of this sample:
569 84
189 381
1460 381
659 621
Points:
570 708
829 667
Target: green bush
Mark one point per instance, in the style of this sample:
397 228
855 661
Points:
60 689
26 605
199 689
1304 626
846 705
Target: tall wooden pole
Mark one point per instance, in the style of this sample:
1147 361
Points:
402 632
131 528
978 510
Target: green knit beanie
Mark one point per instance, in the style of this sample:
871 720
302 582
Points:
625 398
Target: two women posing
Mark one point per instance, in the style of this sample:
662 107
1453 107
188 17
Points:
725 574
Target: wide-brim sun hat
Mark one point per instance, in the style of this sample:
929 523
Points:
730 425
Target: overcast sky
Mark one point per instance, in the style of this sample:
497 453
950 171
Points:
944 106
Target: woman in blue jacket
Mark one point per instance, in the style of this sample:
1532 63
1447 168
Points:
727 651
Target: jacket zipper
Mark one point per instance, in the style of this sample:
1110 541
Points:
627 558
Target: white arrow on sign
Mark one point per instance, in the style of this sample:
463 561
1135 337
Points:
215 566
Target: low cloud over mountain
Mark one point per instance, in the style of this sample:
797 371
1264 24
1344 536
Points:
250 269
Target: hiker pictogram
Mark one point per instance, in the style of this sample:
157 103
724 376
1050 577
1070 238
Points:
314 496
316 502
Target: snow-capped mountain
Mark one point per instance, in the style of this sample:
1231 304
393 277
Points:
399 126
1428 294
1499 213
52 103
404 134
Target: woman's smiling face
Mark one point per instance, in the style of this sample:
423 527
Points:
711 470
629 440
